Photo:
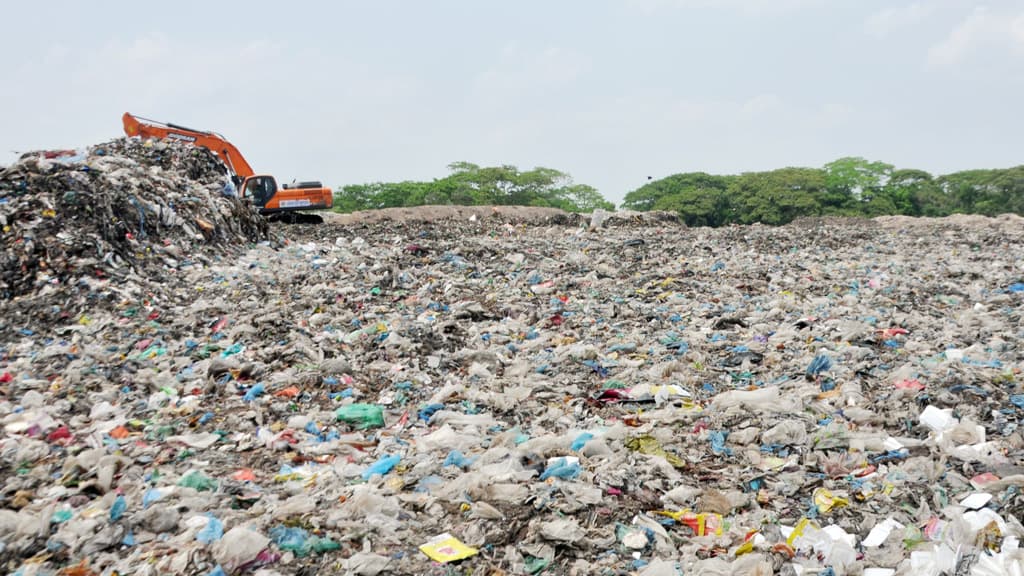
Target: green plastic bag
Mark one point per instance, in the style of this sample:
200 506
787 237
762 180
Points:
361 416
198 481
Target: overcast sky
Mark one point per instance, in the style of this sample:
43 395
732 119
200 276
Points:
610 91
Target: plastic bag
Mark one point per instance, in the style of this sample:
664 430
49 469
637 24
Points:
239 546
212 532
362 416
382 466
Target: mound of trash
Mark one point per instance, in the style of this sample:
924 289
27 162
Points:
478 396
605 218
477 216
415 215
77 224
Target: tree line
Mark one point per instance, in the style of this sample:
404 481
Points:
471 185
846 187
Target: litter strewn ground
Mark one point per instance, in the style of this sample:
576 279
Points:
475 393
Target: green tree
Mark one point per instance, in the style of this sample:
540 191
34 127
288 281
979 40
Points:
353 197
988 192
1010 184
851 181
580 198
848 186
918 190
700 199
470 184
967 189
779 196
543 183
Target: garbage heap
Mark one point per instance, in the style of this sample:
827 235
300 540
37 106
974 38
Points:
89 228
476 396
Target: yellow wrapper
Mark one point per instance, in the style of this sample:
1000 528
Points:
826 501
798 530
447 548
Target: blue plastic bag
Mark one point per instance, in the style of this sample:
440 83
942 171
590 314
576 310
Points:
254 392
718 446
289 538
213 531
821 363
151 495
562 468
117 510
458 459
581 441
428 411
382 466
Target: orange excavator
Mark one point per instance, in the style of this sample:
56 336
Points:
278 203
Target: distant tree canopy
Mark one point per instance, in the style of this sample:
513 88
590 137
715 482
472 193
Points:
846 187
472 185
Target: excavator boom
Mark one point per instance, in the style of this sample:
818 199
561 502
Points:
226 151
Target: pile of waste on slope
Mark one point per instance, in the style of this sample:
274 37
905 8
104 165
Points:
80 224
481 397
501 215
599 218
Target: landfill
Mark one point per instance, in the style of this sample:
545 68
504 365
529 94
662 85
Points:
185 389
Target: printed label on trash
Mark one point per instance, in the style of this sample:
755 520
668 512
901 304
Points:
447 548
702 523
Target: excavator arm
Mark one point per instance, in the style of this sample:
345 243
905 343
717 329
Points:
226 151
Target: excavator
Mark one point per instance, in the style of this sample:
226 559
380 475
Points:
284 203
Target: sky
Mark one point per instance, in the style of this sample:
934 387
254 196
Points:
609 91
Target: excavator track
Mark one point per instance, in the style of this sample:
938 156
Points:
295 218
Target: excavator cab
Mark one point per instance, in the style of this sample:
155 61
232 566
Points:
283 204
260 189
